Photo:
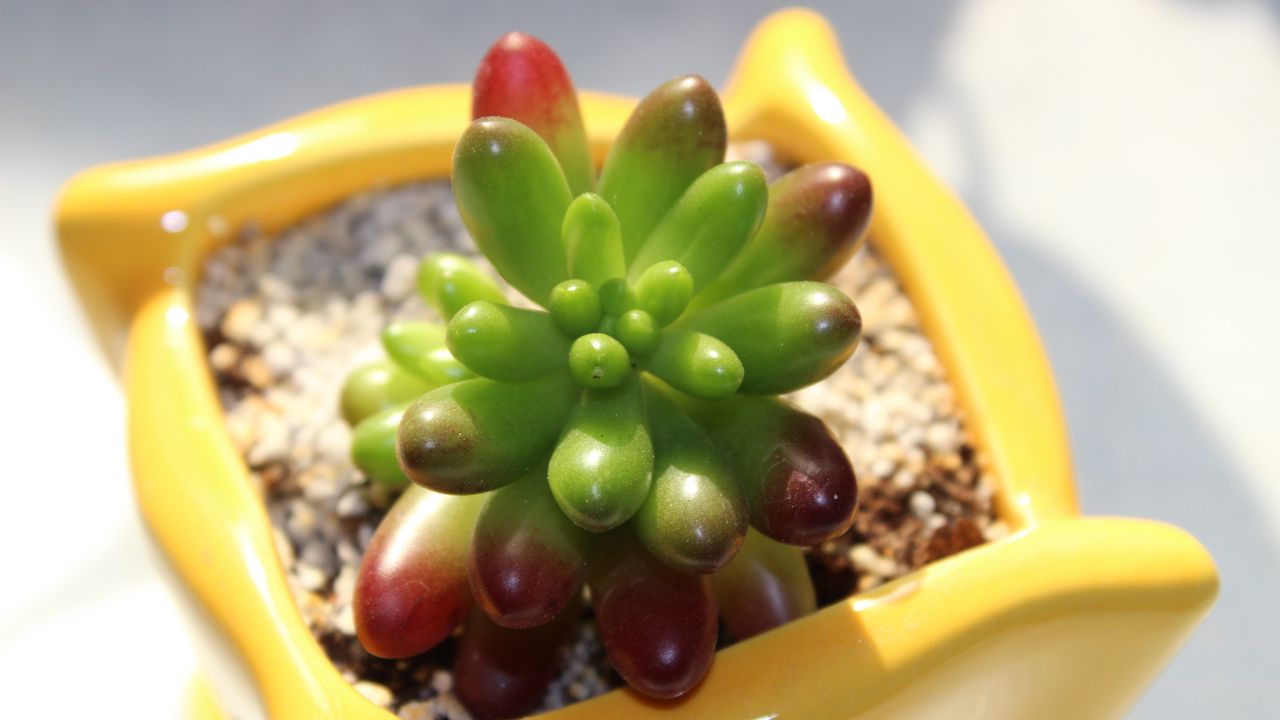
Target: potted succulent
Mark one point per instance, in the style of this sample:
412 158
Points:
623 436
1010 629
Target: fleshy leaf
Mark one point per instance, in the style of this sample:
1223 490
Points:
787 335
601 470
710 223
637 332
419 348
504 673
411 590
449 282
378 386
528 560
766 585
695 516
373 446
593 240
673 136
479 434
663 290
575 307
657 625
798 483
597 360
817 218
512 197
506 343
523 79
697 364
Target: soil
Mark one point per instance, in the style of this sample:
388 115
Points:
286 317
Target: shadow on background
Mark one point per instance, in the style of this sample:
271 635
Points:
1142 450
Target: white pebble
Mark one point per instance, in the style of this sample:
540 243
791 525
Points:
280 358
345 620
376 693
223 357
344 586
442 681
318 553
922 504
866 559
241 319
942 437
882 467
351 504
321 488
273 288
301 521
272 445
399 280
334 443
309 577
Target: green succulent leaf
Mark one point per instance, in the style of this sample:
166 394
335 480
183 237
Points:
617 296
673 136
697 364
766 585
523 79
512 196
663 290
501 342
601 470
479 435
817 217
598 360
575 307
373 447
695 516
378 386
593 240
449 281
787 335
419 347
710 224
637 332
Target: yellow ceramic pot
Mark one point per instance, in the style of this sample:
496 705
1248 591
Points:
1069 617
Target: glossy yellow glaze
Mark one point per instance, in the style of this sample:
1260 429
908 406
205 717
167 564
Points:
1016 628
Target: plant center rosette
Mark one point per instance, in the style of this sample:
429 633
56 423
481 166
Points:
628 435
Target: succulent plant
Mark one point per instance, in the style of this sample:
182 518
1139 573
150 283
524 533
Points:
624 433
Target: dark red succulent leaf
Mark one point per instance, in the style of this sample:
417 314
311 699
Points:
528 560
504 673
411 590
766 585
658 625
799 484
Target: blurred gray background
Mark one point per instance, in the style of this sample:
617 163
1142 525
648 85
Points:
1124 158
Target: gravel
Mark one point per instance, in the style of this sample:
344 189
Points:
286 317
